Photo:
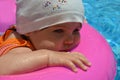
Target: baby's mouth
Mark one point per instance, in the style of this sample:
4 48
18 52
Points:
66 50
69 49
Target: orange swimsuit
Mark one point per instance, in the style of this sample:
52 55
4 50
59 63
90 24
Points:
7 45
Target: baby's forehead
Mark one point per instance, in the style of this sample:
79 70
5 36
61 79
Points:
68 24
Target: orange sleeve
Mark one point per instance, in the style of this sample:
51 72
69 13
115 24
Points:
7 45
13 43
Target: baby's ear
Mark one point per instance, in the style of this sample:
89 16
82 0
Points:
27 34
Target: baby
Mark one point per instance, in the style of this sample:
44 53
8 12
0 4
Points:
45 33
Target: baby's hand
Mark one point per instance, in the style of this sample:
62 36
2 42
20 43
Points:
69 59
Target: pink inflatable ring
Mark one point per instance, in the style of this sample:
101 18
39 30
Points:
92 45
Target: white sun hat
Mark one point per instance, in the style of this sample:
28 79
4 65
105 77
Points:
35 15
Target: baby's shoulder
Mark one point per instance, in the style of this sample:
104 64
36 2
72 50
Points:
12 42
20 50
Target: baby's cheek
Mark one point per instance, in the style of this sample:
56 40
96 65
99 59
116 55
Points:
77 40
46 45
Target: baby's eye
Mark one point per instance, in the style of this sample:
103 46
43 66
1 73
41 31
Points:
76 30
58 31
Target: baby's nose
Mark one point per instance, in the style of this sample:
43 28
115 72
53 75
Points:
69 40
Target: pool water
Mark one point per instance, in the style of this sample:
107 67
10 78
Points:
104 15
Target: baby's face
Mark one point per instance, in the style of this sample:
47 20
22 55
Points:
62 37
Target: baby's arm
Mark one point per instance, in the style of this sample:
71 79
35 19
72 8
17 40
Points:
23 60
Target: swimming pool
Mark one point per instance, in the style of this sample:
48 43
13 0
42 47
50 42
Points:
104 16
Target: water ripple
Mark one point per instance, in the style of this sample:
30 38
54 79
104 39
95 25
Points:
104 15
